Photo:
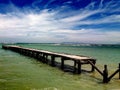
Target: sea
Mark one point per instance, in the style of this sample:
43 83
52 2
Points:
18 72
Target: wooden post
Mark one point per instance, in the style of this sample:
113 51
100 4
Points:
40 55
43 58
62 63
93 69
37 55
26 52
20 51
79 67
105 74
31 54
74 66
34 54
46 58
53 60
119 70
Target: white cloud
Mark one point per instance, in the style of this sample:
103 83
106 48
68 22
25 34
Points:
82 15
81 18
43 27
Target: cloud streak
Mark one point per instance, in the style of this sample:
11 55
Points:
56 26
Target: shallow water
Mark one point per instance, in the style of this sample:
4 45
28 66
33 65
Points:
18 72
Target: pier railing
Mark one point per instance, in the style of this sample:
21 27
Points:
106 77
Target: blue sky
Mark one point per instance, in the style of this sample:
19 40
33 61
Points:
43 21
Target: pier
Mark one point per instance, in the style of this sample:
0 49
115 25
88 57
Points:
78 61
43 56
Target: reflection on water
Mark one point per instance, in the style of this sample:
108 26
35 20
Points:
18 72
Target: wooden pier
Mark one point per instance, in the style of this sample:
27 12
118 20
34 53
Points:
43 56
78 60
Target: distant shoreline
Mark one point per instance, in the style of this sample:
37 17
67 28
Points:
73 44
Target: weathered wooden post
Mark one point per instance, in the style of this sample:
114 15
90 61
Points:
53 60
74 66
43 58
62 63
32 54
79 67
26 53
93 68
119 70
40 56
20 51
37 55
105 74
46 59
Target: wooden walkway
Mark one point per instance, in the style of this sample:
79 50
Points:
78 60
43 56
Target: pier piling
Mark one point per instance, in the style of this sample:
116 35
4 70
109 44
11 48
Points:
105 74
93 68
53 60
62 63
119 70
79 67
75 63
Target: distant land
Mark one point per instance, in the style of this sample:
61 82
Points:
89 44
74 44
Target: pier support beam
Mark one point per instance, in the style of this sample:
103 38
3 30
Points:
62 63
79 67
43 58
46 58
52 60
37 55
31 54
93 68
105 74
119 70
40 56
34 54
74 66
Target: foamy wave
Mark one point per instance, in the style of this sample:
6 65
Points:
49 88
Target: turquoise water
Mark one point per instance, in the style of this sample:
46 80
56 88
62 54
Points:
18 72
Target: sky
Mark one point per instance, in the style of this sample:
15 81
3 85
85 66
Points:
56 21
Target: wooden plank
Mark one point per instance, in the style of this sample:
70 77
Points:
95 67
117 71
113 74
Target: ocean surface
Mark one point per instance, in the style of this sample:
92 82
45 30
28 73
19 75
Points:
19 72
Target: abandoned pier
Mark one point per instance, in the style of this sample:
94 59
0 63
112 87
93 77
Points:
78 61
